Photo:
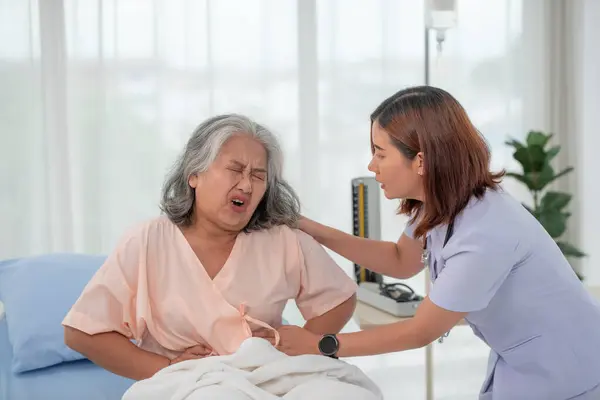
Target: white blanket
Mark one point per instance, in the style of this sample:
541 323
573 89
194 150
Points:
257 371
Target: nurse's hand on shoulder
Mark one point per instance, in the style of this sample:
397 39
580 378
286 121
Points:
293 340
303 223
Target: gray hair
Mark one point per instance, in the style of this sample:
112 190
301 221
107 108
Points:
280 204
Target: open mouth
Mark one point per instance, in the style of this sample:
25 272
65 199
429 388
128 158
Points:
237 202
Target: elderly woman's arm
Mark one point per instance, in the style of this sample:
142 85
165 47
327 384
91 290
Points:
116 353
334 320
103 320
327 297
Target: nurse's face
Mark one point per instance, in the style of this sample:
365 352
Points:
229 192
400 177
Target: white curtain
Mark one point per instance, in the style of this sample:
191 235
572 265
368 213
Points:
98 96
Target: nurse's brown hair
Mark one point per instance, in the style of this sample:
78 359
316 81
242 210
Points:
455 155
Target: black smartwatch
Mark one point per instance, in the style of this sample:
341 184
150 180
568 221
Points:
329 345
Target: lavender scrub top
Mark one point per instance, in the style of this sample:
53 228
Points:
523 300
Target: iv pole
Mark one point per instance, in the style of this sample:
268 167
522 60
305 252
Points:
440 37
429 348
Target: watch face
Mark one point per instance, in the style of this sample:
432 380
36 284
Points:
328 345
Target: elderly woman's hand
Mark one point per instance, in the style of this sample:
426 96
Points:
193 353
293 340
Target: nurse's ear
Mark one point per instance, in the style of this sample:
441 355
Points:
419 163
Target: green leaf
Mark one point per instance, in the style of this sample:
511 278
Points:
536 138
555 223
523 157
542 178
555 201
569 250
524 179
514 143
532 158
550 154
538 157
561 173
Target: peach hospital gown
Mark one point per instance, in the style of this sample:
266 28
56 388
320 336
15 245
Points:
154 290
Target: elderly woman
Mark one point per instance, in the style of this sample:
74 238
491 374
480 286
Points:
221 264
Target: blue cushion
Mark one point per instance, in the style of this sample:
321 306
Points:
37 293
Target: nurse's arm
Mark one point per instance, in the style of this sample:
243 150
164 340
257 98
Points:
429 323
333 320
399 260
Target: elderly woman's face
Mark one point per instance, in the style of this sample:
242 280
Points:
228 193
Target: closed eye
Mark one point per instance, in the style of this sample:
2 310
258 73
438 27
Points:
258 175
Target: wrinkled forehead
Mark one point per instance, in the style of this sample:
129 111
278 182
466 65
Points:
244 150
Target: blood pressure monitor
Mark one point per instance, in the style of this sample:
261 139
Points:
395 298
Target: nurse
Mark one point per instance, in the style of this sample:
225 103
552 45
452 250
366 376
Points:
490 260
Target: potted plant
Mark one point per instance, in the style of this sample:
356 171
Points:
549 207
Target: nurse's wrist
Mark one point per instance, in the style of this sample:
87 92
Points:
343 350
